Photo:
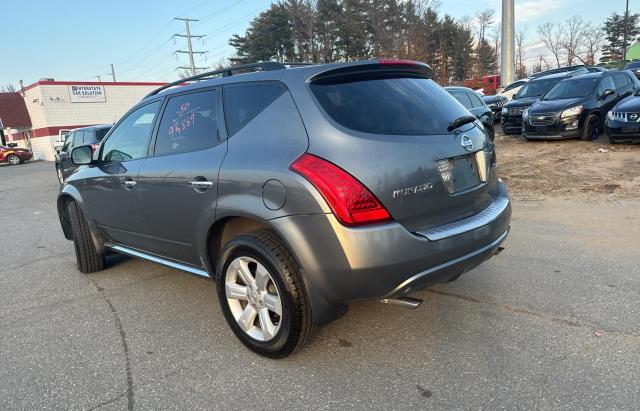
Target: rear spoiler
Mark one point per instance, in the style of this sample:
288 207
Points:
375 68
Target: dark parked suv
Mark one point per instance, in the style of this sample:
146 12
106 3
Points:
511 115
298 189
91 135
634 67
472 102
623 121
577 107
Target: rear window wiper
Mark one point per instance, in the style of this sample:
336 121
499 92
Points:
460 121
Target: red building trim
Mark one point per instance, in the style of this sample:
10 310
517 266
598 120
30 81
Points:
21 135
53 131
91 83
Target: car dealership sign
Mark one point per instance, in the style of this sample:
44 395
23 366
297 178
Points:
87 94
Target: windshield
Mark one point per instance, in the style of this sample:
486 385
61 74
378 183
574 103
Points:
537 88
573 88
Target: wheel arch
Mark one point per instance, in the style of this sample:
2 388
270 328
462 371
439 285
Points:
70 193
229 226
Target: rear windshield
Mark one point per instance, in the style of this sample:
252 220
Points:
572 89
399 105
537 88
96 136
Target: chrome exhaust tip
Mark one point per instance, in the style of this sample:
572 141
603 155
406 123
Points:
406 302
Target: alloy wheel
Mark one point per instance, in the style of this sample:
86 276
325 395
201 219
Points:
13 160
253 298
60 176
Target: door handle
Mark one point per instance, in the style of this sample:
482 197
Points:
129 183
202 185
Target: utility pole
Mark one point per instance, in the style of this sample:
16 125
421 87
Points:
192 65
113 73
624 41
507 62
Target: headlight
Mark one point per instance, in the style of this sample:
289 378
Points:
610 115
504 110
573 111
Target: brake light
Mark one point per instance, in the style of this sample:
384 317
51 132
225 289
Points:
351 202
390 62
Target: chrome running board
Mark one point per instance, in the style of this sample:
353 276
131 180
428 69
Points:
159 260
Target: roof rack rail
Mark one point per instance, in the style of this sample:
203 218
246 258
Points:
266 66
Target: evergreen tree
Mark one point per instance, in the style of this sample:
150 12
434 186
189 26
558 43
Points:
614 35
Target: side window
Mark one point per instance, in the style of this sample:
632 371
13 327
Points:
606 83
513 85
189 123
90 137
100 133
130 139
620 80
462 97
475 100
68 143
242 102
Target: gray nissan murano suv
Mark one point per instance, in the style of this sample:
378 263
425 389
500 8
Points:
298 188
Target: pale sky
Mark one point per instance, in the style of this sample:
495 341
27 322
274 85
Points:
78 39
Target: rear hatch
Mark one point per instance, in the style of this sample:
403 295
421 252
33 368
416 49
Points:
389 126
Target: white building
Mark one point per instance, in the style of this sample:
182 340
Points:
55 105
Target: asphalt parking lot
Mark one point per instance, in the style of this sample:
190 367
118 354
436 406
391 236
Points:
552 322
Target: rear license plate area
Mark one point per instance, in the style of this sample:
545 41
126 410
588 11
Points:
465 173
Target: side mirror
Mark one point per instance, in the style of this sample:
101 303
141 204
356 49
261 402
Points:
607 93
82 155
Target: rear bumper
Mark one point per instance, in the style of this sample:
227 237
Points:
343 264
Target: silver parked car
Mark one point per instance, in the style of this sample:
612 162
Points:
299 189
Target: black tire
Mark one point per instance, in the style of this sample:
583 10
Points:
13 160
592 128
491 131
296 326
87 258
612 140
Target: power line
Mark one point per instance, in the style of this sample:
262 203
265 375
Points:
158 34
215 14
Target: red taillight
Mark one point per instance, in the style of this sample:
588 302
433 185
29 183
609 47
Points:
350 201
389 62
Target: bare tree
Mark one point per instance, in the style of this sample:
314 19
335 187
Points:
521 69
485 19
494 35
550 34
9 88
593 40
572 37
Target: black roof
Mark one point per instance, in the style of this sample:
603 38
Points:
459 88
94 127
562 75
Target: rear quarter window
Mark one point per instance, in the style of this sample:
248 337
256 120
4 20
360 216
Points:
396 106
243 102
462 97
